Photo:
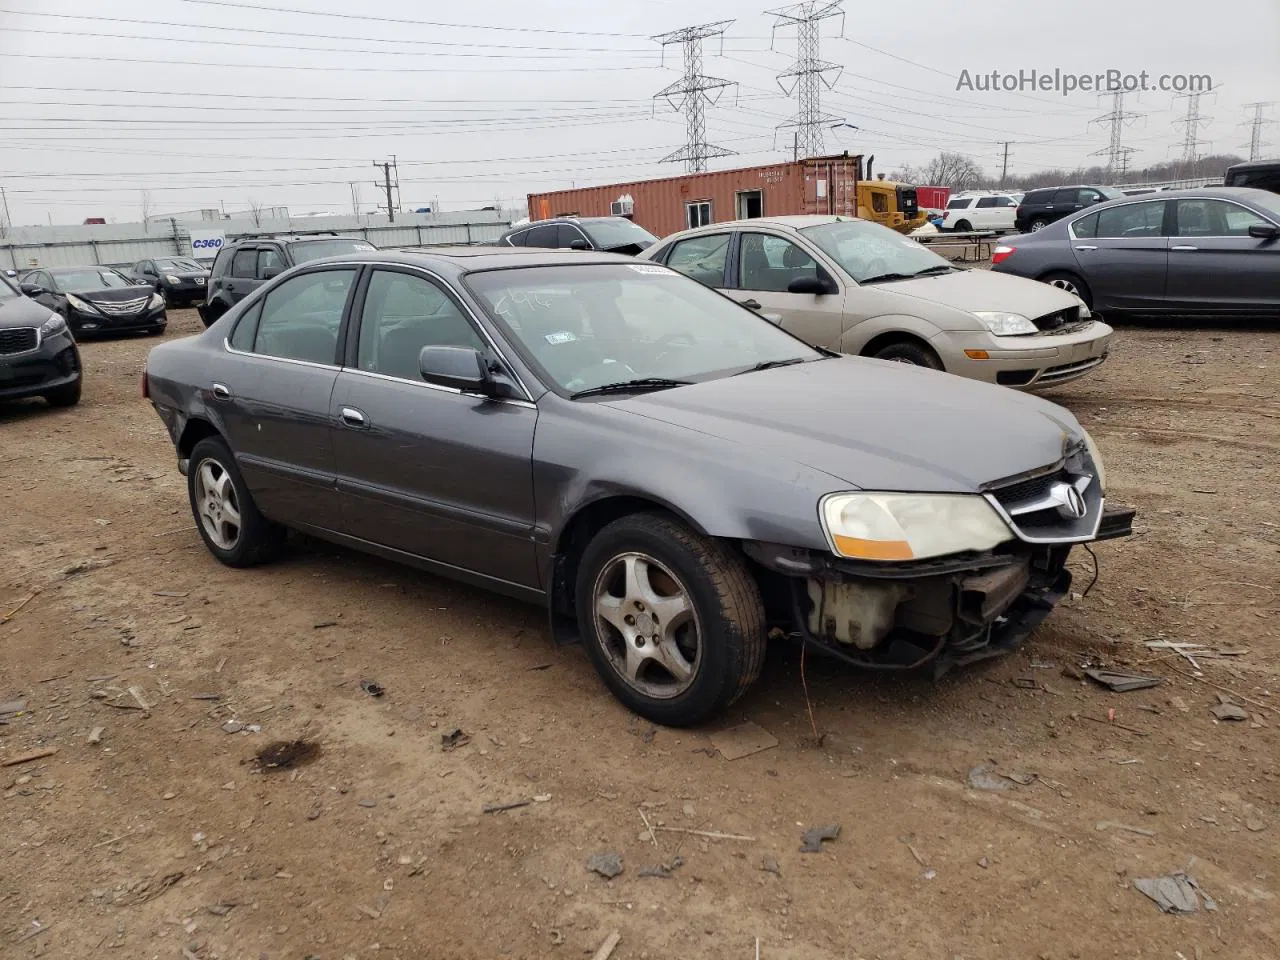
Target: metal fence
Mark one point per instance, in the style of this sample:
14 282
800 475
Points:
124 244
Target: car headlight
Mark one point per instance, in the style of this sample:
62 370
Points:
1005 324
52 327
170 278
909 526
1085 312
1096 456
157 300
81 305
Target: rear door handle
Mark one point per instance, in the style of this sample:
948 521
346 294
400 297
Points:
353 417
752 304
221 391
1085 246
1184 247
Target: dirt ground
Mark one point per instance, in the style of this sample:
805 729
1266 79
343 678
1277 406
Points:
164 840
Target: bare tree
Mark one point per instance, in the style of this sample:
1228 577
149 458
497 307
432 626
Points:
954 170
255 207
146 206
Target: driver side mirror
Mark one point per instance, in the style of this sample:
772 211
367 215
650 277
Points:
1264 231
813 283
459 368
33 289
578 244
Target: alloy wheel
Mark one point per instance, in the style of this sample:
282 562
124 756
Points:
217 505
1067 285
647 625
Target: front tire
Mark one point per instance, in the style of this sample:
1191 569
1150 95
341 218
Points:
67 395
904 351
225 514
673 622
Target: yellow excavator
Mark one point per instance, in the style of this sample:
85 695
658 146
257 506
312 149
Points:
889 203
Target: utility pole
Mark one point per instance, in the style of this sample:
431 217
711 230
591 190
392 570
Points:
388 185
1116 153
6 223
807 73
692 93
355 199
1191 142
1259 121
1004 166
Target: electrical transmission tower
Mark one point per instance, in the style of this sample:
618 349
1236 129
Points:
692 93
1116 153
1191 142
1256 143
808 73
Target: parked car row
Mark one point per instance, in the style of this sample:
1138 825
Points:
670 474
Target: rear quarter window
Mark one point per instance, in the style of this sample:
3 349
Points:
960 204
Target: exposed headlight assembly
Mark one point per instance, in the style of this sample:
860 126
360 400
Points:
170 278
1005 324
909 526
157 300
82 305
52 327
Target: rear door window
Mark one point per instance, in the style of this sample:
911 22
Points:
517 239
1067 197
1086 227
1130 220
542 236
245 263
301 317
701 258
987 202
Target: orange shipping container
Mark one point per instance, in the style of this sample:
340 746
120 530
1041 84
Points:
813 186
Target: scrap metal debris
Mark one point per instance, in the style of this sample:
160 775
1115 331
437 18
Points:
1118 682
1175 893
814 836
1224 709
372 687
769 864
454 739
500 807
284 754
662 870
608 865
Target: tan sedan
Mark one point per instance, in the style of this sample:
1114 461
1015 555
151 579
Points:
856 287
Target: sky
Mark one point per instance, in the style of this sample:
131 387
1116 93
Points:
162 106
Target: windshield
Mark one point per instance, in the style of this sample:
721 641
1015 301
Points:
178 263
305 250
75 280
596 324
7 290
619 233
867 251
1269 202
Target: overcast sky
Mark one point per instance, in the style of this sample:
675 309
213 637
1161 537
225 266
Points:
183 104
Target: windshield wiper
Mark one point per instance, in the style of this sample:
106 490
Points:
630 386
770 364
883 277
939 269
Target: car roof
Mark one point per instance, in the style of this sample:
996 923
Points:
794 222
88 266
1202 193
460 260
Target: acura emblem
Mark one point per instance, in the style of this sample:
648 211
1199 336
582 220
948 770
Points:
1070 503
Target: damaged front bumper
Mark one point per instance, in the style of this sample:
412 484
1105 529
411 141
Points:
938 614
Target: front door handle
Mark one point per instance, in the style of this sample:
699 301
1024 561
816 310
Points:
1184 247
353 417
221 391
752 304
1085 246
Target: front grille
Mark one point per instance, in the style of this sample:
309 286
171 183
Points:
1031 509
122 308
18 340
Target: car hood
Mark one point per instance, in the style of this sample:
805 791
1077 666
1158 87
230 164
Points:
873 424
186 274
971 290
112 294
22 312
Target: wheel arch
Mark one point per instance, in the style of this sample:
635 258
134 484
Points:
195 430
889 337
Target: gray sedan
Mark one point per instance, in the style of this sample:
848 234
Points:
1214 250
668 473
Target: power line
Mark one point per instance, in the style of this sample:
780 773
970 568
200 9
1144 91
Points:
692 94
326 69
1116 153
1259 120
808 73
369 18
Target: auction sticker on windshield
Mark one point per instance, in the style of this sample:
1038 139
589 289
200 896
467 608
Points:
650 268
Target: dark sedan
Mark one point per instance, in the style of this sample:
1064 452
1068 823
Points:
1215 250
181 281
97 300
668 473
38 357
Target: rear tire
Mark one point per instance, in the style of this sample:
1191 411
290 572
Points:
226 516
1038 224
68 395
904 351
962 226
689 602
1071 283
